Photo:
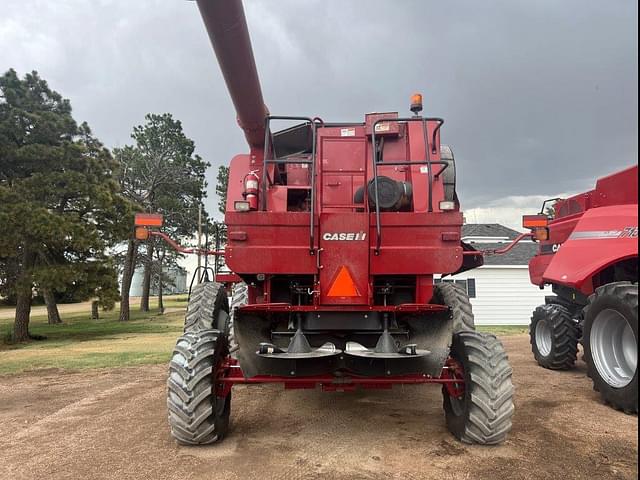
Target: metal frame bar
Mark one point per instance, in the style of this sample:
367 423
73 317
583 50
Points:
287 307
230 374
427 162
268 145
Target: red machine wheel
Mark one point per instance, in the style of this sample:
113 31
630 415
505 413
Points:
197 415
482 412
455 297
208 308
611 344
554 337
239 298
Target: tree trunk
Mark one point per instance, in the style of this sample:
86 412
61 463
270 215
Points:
146 281
52 308
127 274
160 302
23 295
160 299
23 311
95 315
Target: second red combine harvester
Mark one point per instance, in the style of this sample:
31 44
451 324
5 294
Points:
336 231
589 255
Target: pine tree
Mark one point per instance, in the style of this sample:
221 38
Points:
221 187
59 202
162 174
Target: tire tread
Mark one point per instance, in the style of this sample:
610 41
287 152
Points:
455 297
565 337
490 396
627 293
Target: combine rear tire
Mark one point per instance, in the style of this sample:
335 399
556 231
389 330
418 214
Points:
449 174
611 344
239 298
482 414
208 308
554 337
196 414
455 297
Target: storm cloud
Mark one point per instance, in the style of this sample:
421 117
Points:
539 98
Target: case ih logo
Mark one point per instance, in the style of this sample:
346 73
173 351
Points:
344 236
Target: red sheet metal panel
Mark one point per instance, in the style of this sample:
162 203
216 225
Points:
345 248
602 237
275 242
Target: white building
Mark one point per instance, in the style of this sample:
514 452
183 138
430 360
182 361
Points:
178 282
500 291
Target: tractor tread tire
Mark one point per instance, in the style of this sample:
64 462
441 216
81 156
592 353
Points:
565 334
624 293
449 173
206 299
239 298
195 415
455 297
486 418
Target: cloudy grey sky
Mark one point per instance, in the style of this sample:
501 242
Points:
539 97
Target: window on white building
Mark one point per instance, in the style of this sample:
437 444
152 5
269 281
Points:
468 284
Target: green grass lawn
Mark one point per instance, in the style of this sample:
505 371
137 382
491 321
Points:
84 343
80 342
503 330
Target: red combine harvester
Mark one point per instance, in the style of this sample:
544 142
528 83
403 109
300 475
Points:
589 255
335 232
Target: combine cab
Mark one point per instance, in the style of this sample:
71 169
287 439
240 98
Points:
335 231
589 255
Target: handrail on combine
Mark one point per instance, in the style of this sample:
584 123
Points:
428 162
268 146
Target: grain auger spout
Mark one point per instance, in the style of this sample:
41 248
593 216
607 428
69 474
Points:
227 28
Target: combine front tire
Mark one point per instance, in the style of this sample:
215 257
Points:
482 413
611 344
196 414
554 337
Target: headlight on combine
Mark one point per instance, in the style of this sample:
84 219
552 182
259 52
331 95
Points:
241 206
447 205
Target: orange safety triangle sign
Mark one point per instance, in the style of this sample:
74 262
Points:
343 285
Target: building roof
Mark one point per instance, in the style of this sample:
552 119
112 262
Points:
518 255
488 230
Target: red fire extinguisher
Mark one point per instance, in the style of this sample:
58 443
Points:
251 185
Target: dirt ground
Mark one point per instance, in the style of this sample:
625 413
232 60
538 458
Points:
111 424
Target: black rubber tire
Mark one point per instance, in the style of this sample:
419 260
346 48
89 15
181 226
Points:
449 174
196 415
239 298
484 415
208 308
455 297
565 334
622 297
